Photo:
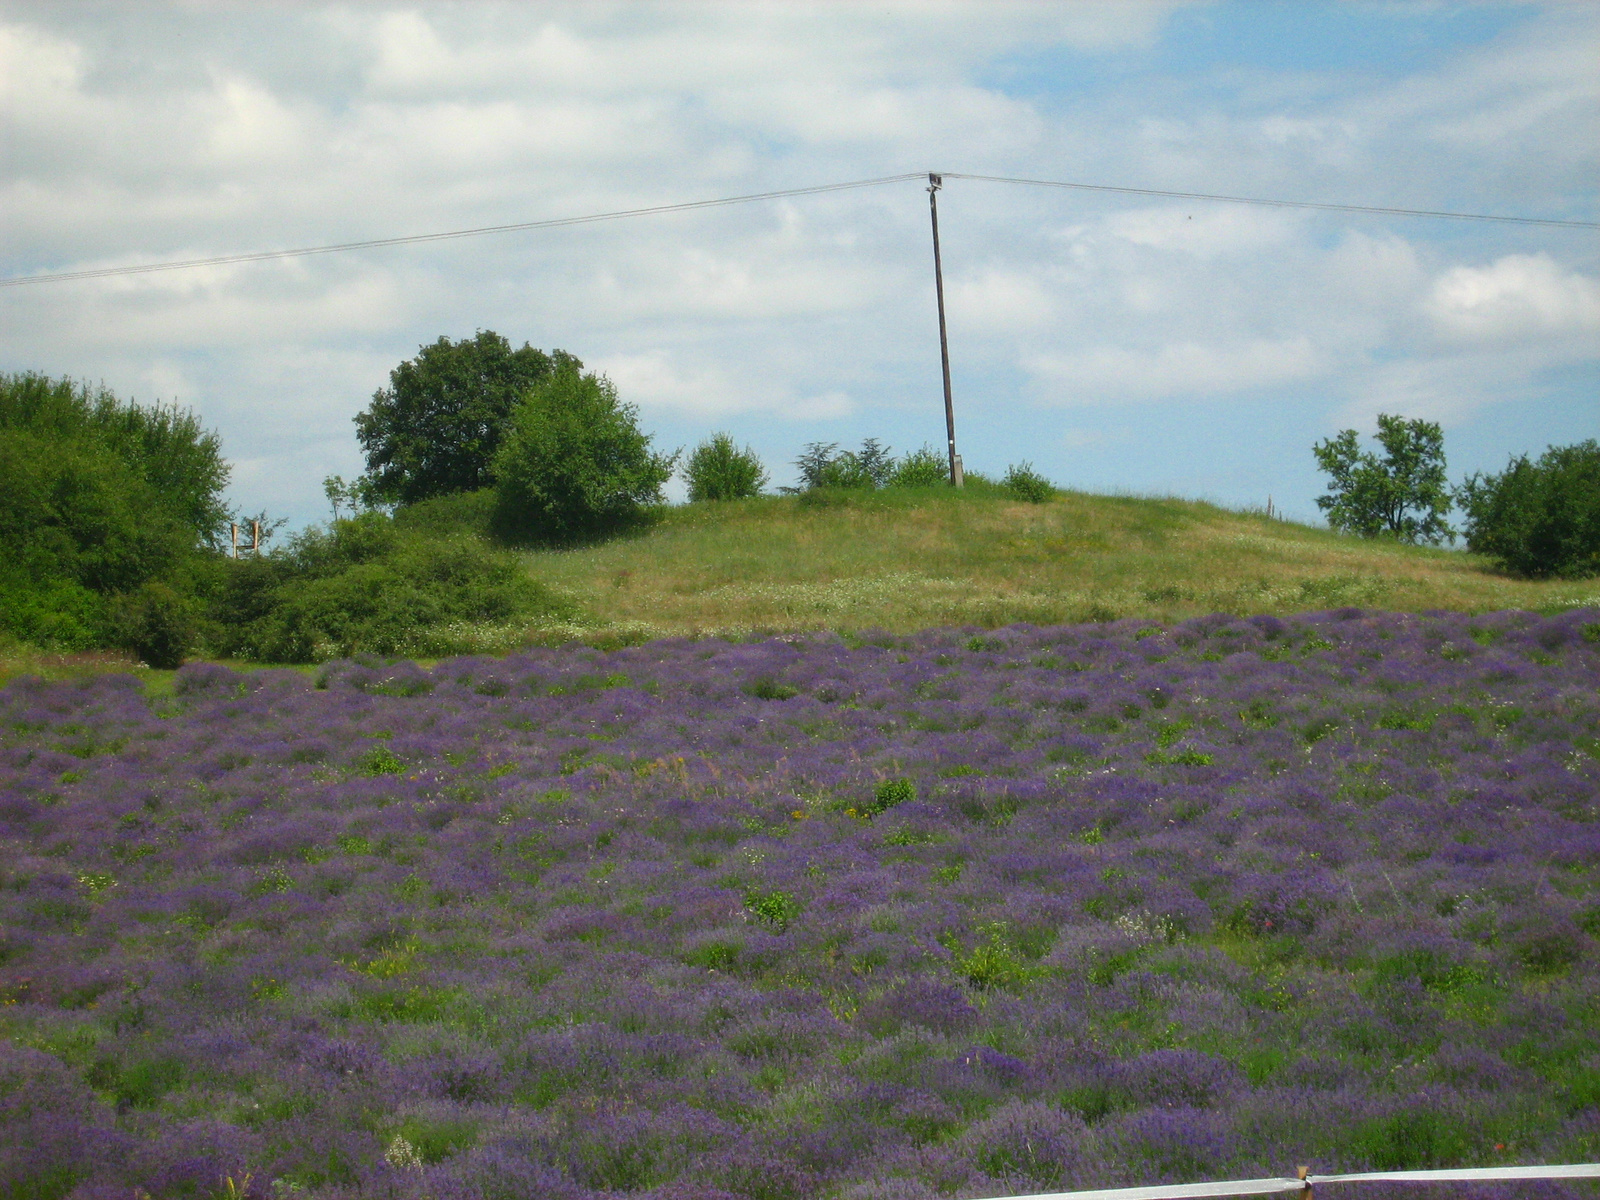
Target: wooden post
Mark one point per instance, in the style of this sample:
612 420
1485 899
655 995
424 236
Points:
1301 1175
235 527
255 535
935 182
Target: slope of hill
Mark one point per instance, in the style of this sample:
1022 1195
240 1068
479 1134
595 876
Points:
907 559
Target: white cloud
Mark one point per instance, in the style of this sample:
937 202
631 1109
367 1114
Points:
36 69
1179 370
655 382
1448 388
1083 439
1283 129
1515 92
265 127
249 124
1205 230
1000 300
1368 269
1518 296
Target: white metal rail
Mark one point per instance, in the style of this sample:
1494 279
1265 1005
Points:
1306 1182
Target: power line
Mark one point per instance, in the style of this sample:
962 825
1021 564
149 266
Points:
690 205
1358 208
413 239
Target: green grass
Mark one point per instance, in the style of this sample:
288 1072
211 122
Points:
19 659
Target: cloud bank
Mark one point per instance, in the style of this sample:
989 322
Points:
1159 332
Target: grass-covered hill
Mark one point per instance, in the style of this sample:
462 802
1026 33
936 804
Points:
905 559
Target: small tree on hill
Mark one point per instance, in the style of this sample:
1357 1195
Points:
1402 495
823 465
815 465
719 470
873 463
574 465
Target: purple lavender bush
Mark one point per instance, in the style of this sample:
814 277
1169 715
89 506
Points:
956 914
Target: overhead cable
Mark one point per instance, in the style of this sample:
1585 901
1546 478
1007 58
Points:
690 205
416 238
1328 207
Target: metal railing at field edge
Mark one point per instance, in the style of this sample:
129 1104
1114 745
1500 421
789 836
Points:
1304 1183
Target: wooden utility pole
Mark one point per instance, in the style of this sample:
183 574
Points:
935 182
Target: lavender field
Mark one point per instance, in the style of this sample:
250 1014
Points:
938 915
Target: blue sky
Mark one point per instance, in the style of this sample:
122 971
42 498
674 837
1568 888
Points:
1119 343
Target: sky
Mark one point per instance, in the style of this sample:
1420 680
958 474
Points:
1118 343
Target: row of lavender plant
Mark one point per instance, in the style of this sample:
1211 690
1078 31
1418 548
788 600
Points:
949 914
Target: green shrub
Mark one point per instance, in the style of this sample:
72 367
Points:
1414 1138
872 465
1023 482
765 687
995 963
719 470
470 513
138 1084
776 909
381 760
179 464
717 954
434 1139
156 623
574 465
921 468
1539 518
889 793
55 614
371 584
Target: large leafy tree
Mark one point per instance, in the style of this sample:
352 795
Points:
162 446
574 465
436 428
1402 495
72 510
103 506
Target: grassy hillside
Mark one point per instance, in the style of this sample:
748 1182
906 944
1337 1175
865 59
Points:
904 559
